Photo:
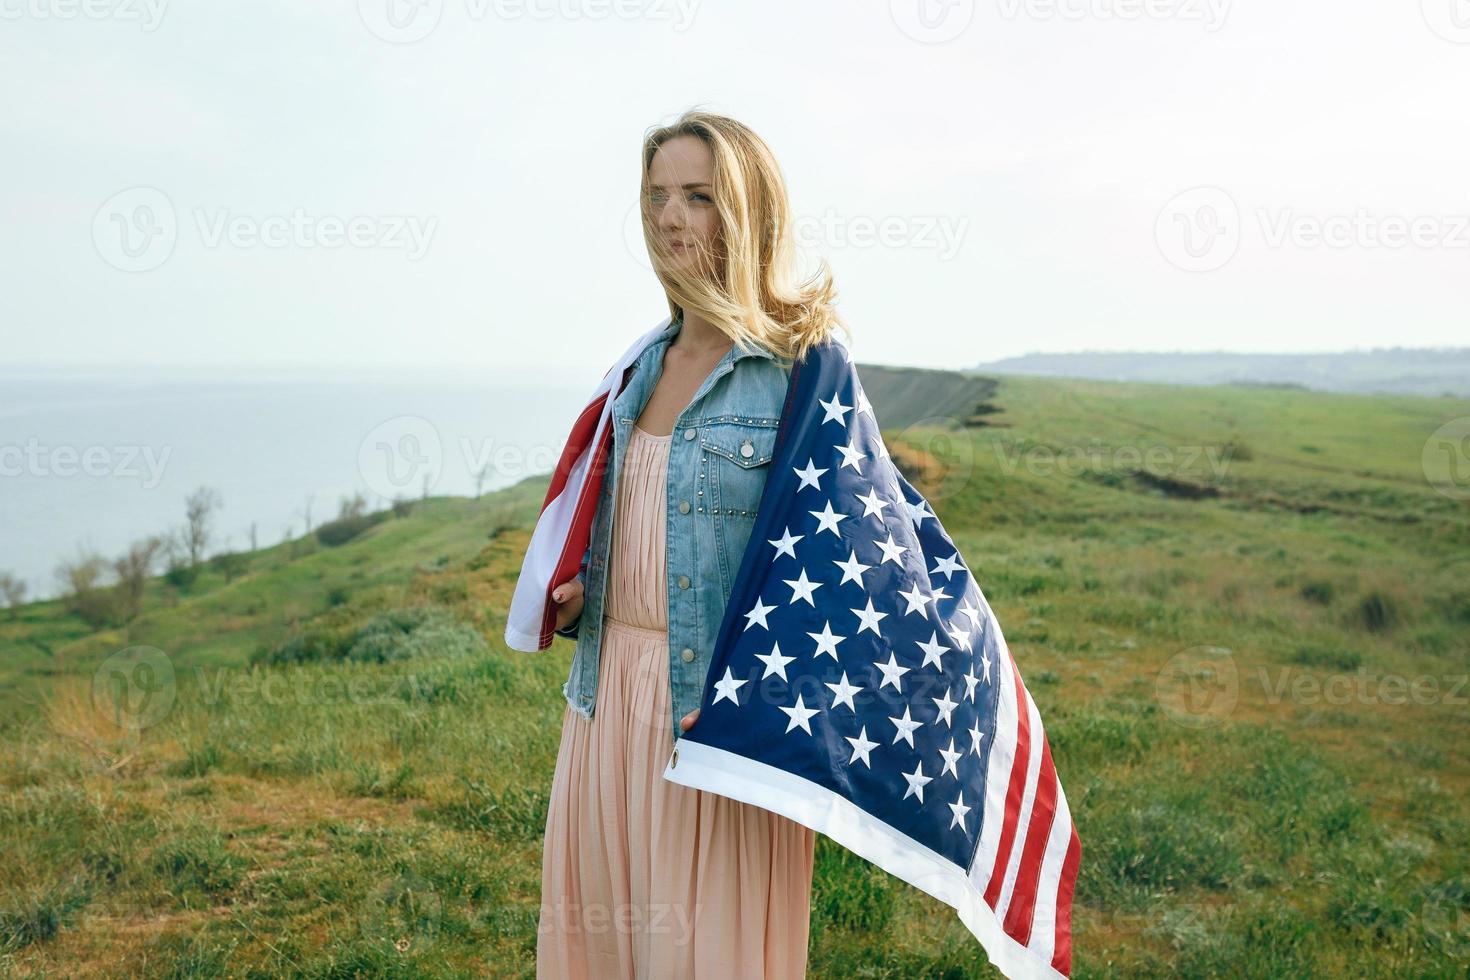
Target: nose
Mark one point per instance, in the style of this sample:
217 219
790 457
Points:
670 216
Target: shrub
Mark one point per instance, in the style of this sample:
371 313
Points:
344 529
1378 611
1319 591
397 634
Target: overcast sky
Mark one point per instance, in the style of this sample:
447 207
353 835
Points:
451 183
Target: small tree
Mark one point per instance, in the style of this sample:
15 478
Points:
13 589
133 570
199 508
84 589
481 475
230 563
353 506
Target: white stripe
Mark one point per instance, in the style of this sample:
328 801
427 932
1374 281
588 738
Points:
1028 799
713 770
1002 756
528 603
1044 922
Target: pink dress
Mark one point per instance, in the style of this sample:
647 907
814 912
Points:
641 877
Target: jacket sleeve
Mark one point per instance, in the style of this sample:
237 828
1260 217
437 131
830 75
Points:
572 628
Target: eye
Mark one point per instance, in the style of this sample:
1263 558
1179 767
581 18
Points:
700 196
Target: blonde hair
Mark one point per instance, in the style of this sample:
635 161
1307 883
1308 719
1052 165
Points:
754 296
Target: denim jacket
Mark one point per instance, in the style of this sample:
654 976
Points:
718 459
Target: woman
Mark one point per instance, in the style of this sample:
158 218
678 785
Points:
642 877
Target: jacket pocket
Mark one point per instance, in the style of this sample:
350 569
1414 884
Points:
737 462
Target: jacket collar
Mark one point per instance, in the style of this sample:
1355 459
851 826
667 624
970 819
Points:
734 354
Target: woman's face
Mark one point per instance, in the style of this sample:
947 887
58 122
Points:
681 196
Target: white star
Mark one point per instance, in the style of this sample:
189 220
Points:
827 519
891 551
843 693
775 662
961 637
985 661
947 566
906 726
973 612
917 600
864 407
802 588
827 641
786 544
726 688
970 681
946 708
882 448
916 780
950 758
933 650
836 411
975 736
872 503
868 618
861 747
960 810
851 457
799 715
809 475
852 570
892 672
919 511
758 614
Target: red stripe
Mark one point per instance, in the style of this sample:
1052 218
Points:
1014 792
579 532
1043 813
582 432
1061 959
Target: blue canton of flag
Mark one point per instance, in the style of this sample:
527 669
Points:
861 686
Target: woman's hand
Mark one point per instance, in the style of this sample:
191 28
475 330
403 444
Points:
687 722
568 598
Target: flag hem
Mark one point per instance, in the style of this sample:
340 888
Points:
714 770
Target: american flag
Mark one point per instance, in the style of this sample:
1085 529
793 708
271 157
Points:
861 686
564 524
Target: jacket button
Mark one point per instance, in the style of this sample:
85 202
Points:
683 581
746 449
683 506
687 654
689 434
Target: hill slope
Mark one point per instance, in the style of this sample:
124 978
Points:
1243 614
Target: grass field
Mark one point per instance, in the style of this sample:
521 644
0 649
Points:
1243 612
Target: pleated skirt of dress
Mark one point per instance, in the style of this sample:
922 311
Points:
642 878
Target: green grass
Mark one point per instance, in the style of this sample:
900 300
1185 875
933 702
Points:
345 773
